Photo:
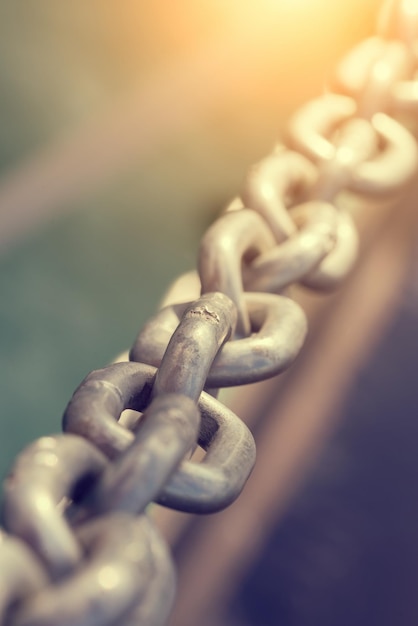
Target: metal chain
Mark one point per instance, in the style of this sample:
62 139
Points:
79 547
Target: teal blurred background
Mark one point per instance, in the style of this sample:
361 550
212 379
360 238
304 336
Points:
109 172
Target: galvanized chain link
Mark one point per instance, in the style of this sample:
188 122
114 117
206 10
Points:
79 547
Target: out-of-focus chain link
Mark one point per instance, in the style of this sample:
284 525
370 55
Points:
79 547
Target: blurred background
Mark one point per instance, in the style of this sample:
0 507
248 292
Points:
124 129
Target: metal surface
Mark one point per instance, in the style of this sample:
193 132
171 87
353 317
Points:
118 570
274 183
205 325
293 259
279 329
214 483
73 500
44 475
165 433
233 239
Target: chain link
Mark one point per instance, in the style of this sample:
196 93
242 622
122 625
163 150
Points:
79 547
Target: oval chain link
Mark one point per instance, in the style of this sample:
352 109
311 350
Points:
81 549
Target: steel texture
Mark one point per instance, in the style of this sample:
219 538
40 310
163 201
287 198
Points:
79 549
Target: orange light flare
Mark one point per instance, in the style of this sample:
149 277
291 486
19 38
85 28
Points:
224 75
283 44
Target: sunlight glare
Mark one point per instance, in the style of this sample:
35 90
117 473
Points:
410 7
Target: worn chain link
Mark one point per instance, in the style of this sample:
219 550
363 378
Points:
79 547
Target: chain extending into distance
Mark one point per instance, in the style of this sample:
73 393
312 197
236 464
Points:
78 547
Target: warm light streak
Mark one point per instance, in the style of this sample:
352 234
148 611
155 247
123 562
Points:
410 7
295 5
